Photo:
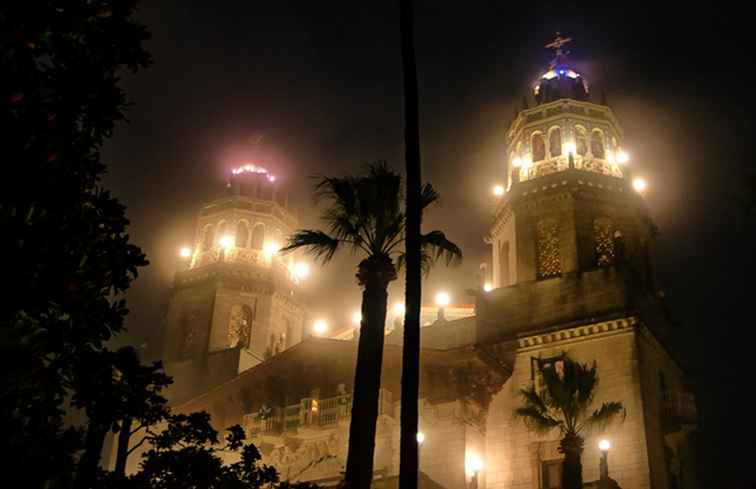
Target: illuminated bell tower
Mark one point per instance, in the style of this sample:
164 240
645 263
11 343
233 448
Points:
237 302
570 206
571 272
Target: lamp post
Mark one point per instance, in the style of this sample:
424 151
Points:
604 446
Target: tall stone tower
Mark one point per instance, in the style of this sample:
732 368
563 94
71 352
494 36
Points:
571 271
237 302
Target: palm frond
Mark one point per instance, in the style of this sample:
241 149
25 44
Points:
536 420
437 246
428 196
605 415
317 243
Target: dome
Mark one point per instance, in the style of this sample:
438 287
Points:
560 82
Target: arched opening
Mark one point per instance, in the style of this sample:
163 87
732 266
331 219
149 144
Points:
222 230
555 142
597 144
240 326
538 146
258 236
208 237
242 234
581 141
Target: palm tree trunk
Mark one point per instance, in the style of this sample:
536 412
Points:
572 468
408 462
122 455
367 375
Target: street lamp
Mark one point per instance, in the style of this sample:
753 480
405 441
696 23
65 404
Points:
487 287
226 242
442 300
357 318
185 252
499 190
640 185
320 326
604 446
420 437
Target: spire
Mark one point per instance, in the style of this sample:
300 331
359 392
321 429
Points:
560 56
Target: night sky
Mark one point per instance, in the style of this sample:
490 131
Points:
308 88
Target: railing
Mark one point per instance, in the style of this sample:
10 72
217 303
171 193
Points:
309 412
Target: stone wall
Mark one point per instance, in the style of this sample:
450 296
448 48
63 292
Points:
514 454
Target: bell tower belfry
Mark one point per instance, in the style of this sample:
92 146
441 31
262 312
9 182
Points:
237 301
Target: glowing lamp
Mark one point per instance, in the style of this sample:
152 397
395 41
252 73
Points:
301 271
320 326
271 178
570 148
399 309
622 157
473 463
640 184
517 162
442 299
527 161
487 287
226 242
270 248
357 317
604 445
185 252
498 190
420 437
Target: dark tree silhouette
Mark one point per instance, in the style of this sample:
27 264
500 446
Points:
188 453
366 216
116 391
562 402
408 461
69 257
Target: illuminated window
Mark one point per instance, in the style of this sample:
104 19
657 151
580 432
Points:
581 141
242 234
555 142
547 249
597 144
603 238
239 326
538 146
258 236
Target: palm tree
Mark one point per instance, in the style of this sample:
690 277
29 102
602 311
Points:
408 458
366 217
562 402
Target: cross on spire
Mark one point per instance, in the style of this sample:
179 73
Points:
556 45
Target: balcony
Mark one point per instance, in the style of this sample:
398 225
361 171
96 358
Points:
309 413
678 410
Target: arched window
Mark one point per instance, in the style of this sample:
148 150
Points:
239 326
603 239
597 144
547 249
242 234
581 140
258 236
538 146
222 230
208 236
555 142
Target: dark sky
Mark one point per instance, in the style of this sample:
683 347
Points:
321 83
